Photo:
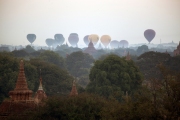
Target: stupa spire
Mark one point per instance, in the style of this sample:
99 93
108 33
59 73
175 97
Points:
128 57
21 83
40 82
74 90
21 91
40 94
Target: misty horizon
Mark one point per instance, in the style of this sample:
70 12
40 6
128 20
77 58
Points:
120 19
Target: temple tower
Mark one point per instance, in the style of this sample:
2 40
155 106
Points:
21 91
40 94
74 90
20 98
91 49
128 57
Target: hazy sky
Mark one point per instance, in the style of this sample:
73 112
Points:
121 19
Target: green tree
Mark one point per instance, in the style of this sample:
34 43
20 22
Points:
32 76
148 62
8 74
81 107
56 81
78 64
142 49
113 76
20 53
29 49
53 57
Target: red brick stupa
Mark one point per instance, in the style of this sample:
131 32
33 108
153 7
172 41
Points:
21 91
74 90
40 94
20 98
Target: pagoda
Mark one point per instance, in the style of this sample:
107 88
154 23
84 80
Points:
40 94
128 57
91 49
177 51
21 91
20 98
74 90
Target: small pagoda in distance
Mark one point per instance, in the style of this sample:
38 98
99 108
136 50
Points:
40 94
128 57
74 90
90 49
177 51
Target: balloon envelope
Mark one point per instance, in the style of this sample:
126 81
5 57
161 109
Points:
73 39
49 41
86 40
105 39
31 38
149 34
59 38
123 43
94 38
114 44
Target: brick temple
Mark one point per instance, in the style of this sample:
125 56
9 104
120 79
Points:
20 99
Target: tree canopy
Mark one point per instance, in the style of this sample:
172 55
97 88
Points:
114 76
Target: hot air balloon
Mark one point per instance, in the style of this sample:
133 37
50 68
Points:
123 44
55 43
86 40
114 44
49 41
149 34
105 40
73 39
59 38
31 38
94 38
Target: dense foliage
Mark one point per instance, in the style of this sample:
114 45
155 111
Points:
158 101
116 82
149 61
114 76
78 65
